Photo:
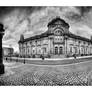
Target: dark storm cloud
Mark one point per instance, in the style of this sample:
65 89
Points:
25 10
73 16
6 10
30 9
84 9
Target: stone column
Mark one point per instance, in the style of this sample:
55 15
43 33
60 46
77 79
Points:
1 51
65 39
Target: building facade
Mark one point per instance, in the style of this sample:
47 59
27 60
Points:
7 51
57 41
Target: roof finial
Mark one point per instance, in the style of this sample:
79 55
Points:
57 16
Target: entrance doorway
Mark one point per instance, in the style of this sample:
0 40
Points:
60 50
56 50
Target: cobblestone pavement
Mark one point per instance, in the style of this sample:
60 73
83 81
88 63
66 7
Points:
27 74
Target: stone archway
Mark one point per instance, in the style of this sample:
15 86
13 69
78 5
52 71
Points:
60 50
56 50
1 53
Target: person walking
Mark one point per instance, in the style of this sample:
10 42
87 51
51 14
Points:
42 57
6 58
74 55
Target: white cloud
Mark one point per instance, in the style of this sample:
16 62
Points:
82 30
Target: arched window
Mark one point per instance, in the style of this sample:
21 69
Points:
79 51
58 32
82 50
75 50
70 49
33 51
60 50
56 50
28 51
44 50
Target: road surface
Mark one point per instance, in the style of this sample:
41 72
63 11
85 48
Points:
47 61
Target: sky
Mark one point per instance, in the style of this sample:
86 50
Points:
33 20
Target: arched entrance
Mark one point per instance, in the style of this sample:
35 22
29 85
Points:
56 50
60 50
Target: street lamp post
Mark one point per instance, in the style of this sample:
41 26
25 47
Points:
24 59
10 53
1 52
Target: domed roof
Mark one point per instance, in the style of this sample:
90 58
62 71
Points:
58 19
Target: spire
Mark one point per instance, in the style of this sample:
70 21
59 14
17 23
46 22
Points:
22 38
57 16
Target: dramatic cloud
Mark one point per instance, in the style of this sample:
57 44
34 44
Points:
33 20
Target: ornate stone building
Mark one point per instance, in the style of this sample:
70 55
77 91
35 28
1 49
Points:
57 41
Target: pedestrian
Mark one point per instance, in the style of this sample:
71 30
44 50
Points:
24 59
6 58
74 55
42 57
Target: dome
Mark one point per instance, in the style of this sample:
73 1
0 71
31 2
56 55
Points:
58 19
